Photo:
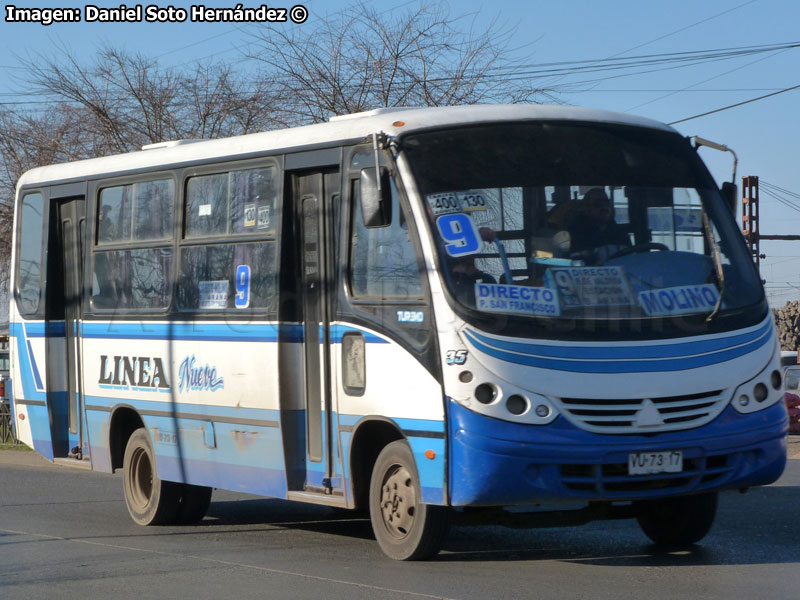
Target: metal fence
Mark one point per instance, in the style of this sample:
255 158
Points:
6 428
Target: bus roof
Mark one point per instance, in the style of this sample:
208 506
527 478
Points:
338 129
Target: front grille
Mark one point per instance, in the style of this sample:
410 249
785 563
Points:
643 415
611 480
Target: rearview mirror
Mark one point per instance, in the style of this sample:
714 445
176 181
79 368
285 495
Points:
376 200
730 195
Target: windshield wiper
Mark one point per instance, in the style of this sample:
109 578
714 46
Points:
715 253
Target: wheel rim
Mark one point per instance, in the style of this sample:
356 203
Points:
140 478
398 501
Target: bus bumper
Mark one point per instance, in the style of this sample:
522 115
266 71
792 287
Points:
498 463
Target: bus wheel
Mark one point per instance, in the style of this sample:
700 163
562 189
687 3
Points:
194 503
680 521
150 501
406 529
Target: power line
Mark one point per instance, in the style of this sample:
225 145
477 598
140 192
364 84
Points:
599 65
685 28
678 31
763 183
709 79
519 72
711 112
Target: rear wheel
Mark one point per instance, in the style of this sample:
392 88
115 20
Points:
405 528
150 501
680 521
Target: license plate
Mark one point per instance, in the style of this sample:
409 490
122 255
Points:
649 463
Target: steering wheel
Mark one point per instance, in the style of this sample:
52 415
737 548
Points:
643 247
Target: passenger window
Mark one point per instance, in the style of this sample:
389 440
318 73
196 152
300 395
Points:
238 202
29 271
207 206
140 212
132 279
154 208
223 276
383 263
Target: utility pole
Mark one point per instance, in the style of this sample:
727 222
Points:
750 217
750 228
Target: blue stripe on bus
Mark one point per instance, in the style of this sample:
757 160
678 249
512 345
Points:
195 331
404 424
24 366
37 378
235 476
39 422
674 350
188 331
39 329
642 365
337 331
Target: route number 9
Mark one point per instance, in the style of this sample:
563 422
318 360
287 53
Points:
460 233
242 286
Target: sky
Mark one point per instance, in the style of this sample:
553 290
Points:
764 134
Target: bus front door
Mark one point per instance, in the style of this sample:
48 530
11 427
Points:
314 462
66 399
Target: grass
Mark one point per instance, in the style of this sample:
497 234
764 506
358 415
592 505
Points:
15 447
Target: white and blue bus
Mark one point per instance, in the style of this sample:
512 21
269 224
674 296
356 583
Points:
428 313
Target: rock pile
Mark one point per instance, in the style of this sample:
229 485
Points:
787 321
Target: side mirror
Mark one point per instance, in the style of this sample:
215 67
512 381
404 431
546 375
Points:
730 195
376 201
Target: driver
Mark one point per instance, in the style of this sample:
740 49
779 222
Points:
594 231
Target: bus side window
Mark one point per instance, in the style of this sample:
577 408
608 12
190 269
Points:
134 278
383 263
29 270
233 275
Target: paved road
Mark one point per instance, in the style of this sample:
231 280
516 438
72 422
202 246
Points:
66 532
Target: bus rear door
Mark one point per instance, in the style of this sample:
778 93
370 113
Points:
66 405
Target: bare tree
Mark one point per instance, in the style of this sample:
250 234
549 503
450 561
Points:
129 101
361 58
117 104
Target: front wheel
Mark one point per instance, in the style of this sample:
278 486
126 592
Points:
150 501
680 521
405 528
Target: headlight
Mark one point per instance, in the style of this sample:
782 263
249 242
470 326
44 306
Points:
758 393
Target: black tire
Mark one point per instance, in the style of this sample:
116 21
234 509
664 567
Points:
193 504
150 501
680 521
405 528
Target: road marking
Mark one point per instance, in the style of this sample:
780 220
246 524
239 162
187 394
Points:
227 563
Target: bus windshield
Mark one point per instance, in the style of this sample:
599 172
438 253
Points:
579 221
